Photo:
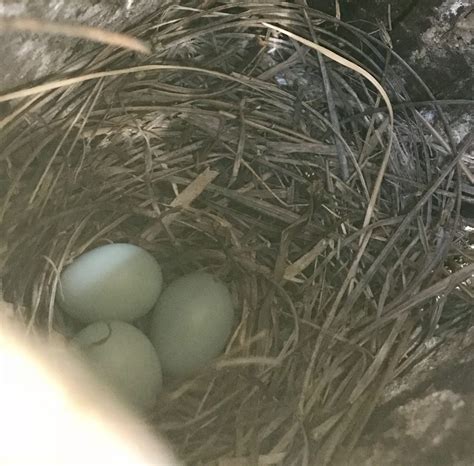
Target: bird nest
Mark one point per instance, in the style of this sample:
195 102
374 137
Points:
278 148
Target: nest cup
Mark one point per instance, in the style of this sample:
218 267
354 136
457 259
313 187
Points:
253 153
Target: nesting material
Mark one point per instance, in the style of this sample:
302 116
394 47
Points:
241 147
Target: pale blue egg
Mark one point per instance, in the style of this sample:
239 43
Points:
124 359
191 324
112 282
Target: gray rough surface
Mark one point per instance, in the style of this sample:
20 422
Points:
443 50
25 57
426 418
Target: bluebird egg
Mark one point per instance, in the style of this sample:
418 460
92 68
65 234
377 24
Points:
112 282
191 323
124 359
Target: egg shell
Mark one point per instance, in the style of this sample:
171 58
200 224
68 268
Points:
112 282
191 323
124 359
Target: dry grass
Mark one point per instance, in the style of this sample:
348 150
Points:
38 26
241 149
